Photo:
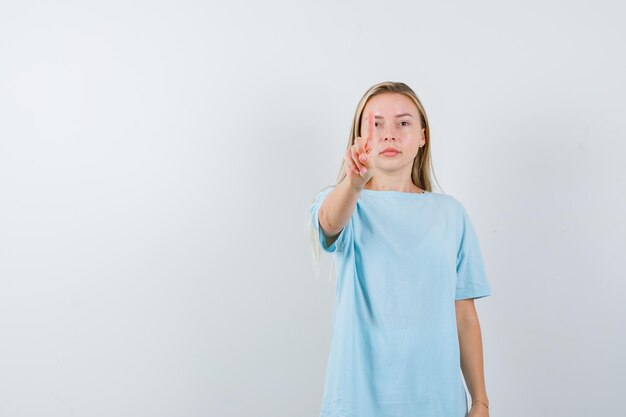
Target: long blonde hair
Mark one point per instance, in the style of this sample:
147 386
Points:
422 164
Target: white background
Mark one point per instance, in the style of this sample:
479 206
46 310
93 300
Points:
157 160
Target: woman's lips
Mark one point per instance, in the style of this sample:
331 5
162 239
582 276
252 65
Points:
390 153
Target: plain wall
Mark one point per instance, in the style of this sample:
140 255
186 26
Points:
157 159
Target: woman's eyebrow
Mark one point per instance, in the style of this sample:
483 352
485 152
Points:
397 115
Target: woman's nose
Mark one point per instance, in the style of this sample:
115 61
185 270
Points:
389 133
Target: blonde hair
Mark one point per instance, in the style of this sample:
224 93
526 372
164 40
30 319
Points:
422 164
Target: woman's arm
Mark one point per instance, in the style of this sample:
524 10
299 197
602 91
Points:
470 344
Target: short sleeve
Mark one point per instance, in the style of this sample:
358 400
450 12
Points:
339 244
471 279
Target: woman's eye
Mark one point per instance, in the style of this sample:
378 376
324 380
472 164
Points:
404 123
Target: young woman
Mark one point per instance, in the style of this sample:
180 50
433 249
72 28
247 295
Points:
409 267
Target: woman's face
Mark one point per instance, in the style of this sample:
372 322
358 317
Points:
397 126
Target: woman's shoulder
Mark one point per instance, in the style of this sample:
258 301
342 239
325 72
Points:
450 201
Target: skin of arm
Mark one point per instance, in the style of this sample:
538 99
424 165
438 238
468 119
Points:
471 350
337 208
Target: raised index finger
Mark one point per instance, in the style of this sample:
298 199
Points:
371 128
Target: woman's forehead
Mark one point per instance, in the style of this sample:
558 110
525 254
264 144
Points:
390 105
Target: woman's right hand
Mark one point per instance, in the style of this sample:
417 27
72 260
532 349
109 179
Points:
357 157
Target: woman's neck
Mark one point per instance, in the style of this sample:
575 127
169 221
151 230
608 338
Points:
407 188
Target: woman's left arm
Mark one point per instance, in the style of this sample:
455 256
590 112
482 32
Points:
470 344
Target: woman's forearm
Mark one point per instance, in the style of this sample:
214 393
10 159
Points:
338 207
470 344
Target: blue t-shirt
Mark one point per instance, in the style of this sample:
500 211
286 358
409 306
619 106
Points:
401 261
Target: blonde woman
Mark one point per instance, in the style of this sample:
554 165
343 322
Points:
405 331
